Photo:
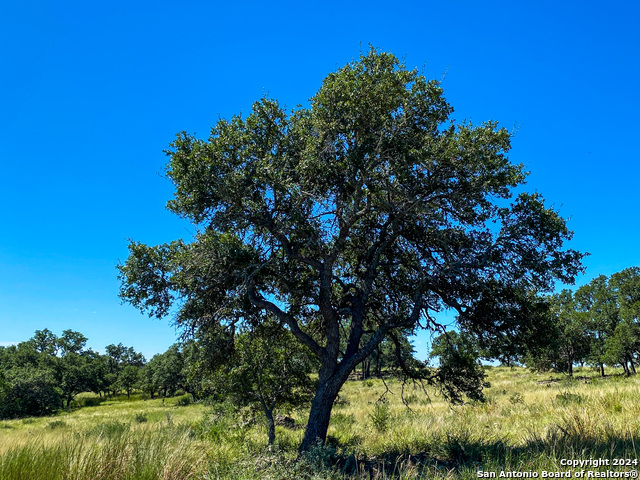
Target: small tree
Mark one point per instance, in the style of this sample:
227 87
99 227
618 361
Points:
169 374
148 377
129 379
268 371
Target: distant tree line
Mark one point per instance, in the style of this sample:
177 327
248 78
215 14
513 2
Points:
597 325
264 370
45 373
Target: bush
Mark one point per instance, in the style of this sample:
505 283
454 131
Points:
184 400
29 394
140 418
90 401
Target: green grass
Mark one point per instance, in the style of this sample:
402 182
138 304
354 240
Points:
529 422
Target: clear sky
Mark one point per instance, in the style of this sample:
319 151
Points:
92 92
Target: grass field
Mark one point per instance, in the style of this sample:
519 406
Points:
529 423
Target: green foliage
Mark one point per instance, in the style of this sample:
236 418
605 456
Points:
459 370
381 416
166 373
566 340
266 370
46 373
57 424
129 378
568 398
437 440
598 324
184 400
91 401
140 418
29 392
218 424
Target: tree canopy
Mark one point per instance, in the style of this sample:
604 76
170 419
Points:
350 221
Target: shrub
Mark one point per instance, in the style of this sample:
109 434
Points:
214 427
184 400
567 398
91 401
381 416
57 424
140 418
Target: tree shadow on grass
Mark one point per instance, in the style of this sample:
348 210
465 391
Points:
461 454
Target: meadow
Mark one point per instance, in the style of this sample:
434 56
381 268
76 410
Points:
528 424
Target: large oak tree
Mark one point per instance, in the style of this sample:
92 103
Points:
350 221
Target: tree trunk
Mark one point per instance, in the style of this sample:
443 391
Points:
602 370
379 365
272 426
633 367
331 377
320 414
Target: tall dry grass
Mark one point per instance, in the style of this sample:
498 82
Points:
528 423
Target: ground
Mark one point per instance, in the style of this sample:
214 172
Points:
530 424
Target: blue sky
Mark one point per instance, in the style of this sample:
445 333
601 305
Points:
91 93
